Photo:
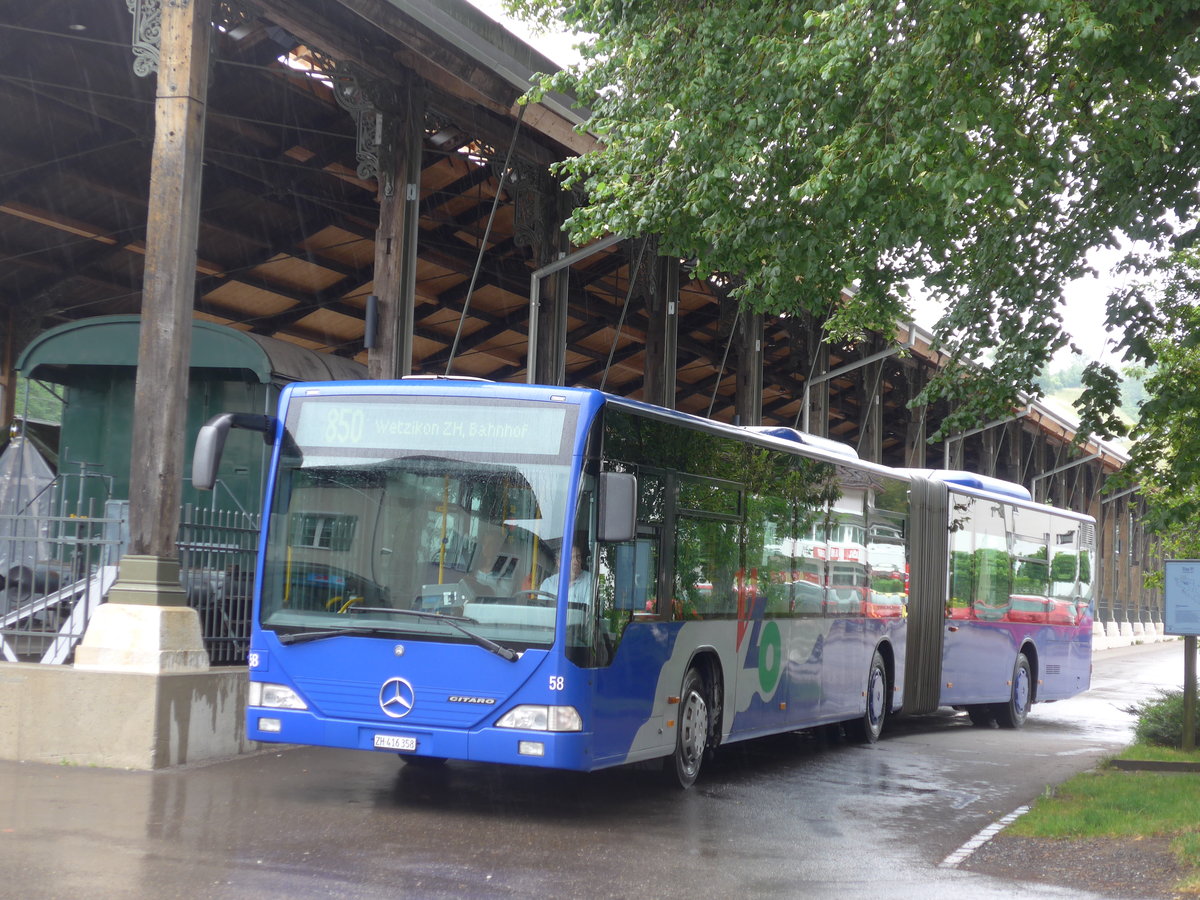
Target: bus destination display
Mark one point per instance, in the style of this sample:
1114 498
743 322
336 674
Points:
526 429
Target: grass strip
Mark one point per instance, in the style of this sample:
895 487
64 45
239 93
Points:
1109 803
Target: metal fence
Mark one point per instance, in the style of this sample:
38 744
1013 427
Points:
217 555
54 572
56 569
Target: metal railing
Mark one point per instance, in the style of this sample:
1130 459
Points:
56 569
217 556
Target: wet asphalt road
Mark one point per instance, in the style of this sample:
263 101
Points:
802 815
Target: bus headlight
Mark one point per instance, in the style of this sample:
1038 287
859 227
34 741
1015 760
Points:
275 696
542 718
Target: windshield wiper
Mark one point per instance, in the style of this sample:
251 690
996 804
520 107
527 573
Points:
452 621
303 637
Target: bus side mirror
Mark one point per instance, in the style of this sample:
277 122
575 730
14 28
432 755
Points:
210 443
618 507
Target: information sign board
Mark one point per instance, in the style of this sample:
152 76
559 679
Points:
1181 596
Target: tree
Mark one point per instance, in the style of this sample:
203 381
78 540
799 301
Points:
1164 461
978 148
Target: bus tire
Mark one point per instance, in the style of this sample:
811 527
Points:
1013 713
869 727
691 732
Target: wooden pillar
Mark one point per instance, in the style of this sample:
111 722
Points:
1091 499
1057 488
160 391
396 238
915 431
1125 563
957 454
749 388
1036 464
1114 555
818 396
870 406
146 625
662 335
1111 535
552 329
989 450
541 210
1137 561
1009 466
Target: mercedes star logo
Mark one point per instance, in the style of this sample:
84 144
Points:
396 698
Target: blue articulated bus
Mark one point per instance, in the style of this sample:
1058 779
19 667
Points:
456 569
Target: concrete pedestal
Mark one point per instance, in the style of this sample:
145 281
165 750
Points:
146 625
150 639
141 694
126 720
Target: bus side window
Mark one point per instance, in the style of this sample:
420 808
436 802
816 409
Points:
634 576
628 578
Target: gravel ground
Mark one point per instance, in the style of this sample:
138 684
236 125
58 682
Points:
1143 869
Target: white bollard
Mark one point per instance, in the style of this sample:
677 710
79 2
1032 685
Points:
1099 638
1126 629
1115 638
1138 630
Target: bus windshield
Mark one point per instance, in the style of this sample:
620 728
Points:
385 507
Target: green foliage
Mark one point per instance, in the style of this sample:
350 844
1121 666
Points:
1031 576
1133 391
962 578
1160 720
1062 567
44 404
1164 460
980 148
993 579
1064 378
1066 384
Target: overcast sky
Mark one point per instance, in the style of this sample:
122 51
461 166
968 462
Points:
557 46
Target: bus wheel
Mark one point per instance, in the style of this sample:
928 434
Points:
691 735
870 726
1012 714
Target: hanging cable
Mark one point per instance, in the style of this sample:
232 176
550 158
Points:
637 266
483 243
724 358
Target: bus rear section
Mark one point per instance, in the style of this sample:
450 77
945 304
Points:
1002 615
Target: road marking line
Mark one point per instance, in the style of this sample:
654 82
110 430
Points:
958 856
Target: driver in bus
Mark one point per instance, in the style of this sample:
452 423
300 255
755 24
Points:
580 591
